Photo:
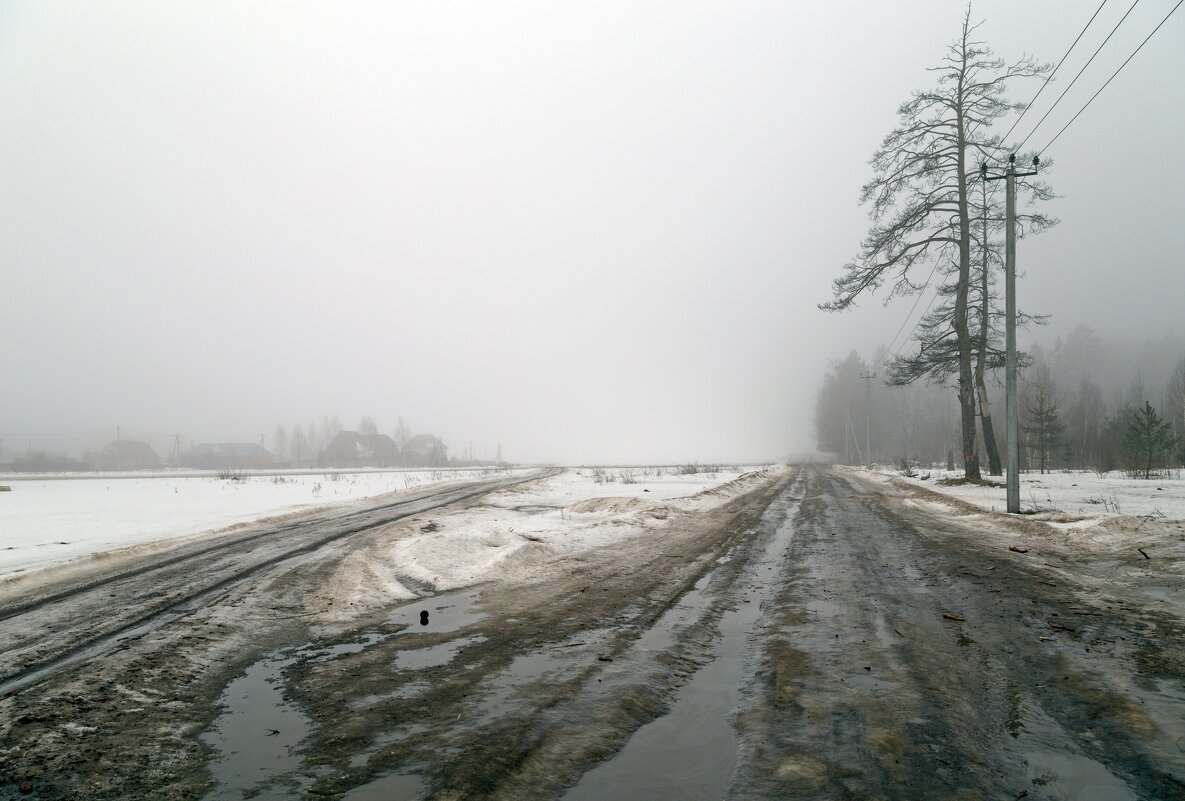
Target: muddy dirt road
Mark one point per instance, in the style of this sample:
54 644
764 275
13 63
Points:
810 636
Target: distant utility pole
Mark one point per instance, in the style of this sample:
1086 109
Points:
847 445
868 375
1009 177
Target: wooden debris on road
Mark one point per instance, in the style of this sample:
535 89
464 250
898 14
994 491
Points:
1016 549
1141 550
956 618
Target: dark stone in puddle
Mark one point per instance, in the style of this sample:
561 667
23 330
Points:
424 618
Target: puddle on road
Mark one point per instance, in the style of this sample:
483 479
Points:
251 755
823 608
433 655
255 763
865 681
688 609
691 752
1069 777
395 787
447 612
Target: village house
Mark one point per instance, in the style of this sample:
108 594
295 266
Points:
350 449
425 450
228 456
126 454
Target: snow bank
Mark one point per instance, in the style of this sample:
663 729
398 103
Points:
1087 497
516 532
45 522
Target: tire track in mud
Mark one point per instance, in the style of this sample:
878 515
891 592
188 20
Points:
868 691
556 677
153 598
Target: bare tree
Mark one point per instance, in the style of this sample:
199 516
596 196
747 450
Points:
919 195
1175 402
402 433
299 444
367 426
280 443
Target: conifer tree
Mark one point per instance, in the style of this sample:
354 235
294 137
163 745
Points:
1046 429
1148 439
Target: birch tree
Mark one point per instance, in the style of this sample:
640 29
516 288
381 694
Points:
918 198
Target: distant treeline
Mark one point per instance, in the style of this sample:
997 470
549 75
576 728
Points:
1078 399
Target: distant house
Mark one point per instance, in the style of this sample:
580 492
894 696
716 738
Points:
351 449
229 456
126 454
425 450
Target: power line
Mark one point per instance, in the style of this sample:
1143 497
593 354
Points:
918 322
915 305
1049 77
1079 75
1104 86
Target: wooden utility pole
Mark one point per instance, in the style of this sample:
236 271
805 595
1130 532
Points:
1013 430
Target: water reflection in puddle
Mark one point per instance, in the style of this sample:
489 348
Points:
1071 777
691 752
434 655
257 736
395 787
259 733
447 612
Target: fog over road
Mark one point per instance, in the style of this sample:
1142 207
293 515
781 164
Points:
812 635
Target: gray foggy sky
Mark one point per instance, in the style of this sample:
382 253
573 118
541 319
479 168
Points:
591 231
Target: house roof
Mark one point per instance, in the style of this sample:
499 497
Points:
424 442
364 446
131 449
229 449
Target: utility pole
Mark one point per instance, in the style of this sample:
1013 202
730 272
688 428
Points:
847 446
868 375
1013 430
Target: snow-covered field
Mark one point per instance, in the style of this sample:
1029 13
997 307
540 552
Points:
514 533
47 521
1084 495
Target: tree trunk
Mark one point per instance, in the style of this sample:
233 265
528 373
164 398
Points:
962 334
995 467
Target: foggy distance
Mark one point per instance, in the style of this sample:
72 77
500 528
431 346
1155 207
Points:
590 234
